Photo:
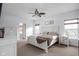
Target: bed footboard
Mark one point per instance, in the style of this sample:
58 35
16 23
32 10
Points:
32 40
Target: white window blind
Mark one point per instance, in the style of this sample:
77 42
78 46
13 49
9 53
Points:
71 28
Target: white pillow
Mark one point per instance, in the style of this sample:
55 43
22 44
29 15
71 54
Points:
55 36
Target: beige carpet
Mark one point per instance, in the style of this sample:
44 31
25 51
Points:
24 49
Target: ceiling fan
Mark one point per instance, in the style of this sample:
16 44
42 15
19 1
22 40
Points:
37 13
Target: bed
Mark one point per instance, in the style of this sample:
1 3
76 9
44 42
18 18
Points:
45 39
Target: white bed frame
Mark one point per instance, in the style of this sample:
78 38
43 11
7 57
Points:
32 39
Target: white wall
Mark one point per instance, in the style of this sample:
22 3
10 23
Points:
59 19
8 48
9 22
68 15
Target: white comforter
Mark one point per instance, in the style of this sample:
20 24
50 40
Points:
49 36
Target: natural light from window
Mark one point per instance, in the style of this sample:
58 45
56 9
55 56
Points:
37 30
71 28
29 31
71 21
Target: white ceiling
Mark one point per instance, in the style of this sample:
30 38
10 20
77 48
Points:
22 9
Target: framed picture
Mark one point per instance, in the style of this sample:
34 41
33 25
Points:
49 22
1 32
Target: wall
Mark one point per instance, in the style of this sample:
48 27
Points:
8 48
9 22
8 43
59 19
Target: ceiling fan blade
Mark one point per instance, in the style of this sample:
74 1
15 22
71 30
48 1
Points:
42 13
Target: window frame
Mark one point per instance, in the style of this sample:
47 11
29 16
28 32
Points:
71 24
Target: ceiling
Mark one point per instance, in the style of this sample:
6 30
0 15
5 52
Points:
22 9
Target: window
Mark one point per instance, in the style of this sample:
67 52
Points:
37 29
29 31
71 28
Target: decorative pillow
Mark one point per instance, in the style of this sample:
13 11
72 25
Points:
52 33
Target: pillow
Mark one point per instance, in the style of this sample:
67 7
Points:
52 33
49 33
54 37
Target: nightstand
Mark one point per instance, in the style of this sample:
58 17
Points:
64 40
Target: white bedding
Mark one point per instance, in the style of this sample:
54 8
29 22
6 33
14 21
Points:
49 36
52 35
